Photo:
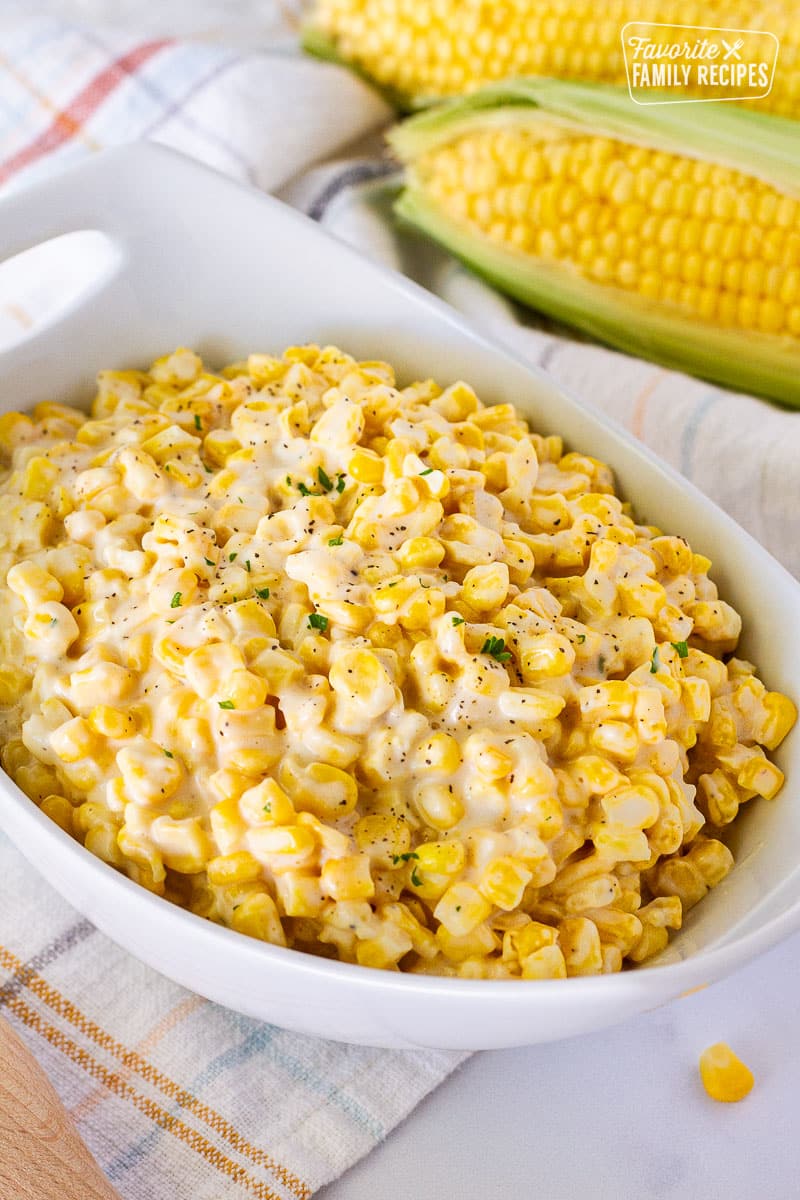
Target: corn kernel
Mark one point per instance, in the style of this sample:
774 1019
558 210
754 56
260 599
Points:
503 883
485 588
782 716
182 843
245 690
477 943
440 858
385 838
12 684
547 962
33 584
580 944
725 1077
257 916
240 867
299 895
266 803
439 752
461 908
74 740
282 847
439 806
635 807
58 809
365 466
326 791
421 552
519 943
348 878
227 825
112 722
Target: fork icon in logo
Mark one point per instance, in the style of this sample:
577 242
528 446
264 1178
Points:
734 49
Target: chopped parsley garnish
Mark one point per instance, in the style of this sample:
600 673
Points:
209 562
581 638
601 664
53 621
655 663
247 566
458 620
169 754
495 647
197 422
288 481
268 808
232 557
396 858
262 593
415 879
318 621
338 541
175 602
428 471
682 648
325 482
226 704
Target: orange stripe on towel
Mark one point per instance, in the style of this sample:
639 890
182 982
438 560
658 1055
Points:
174 1017
640 404
69 122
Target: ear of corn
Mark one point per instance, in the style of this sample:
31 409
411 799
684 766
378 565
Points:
665 238
423 50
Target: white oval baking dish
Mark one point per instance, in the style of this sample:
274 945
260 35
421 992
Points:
201 261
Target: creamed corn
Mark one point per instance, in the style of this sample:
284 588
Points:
368 670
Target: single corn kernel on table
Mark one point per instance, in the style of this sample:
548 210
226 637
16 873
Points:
619 1115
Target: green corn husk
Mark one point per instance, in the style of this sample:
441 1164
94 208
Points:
763 147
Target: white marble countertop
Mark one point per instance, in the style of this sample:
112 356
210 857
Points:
619 1115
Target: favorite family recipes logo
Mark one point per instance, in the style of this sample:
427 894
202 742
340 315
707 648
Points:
678 64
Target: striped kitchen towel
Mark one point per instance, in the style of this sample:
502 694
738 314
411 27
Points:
260 114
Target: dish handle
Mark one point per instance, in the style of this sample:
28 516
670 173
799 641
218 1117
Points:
66 202
72 287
